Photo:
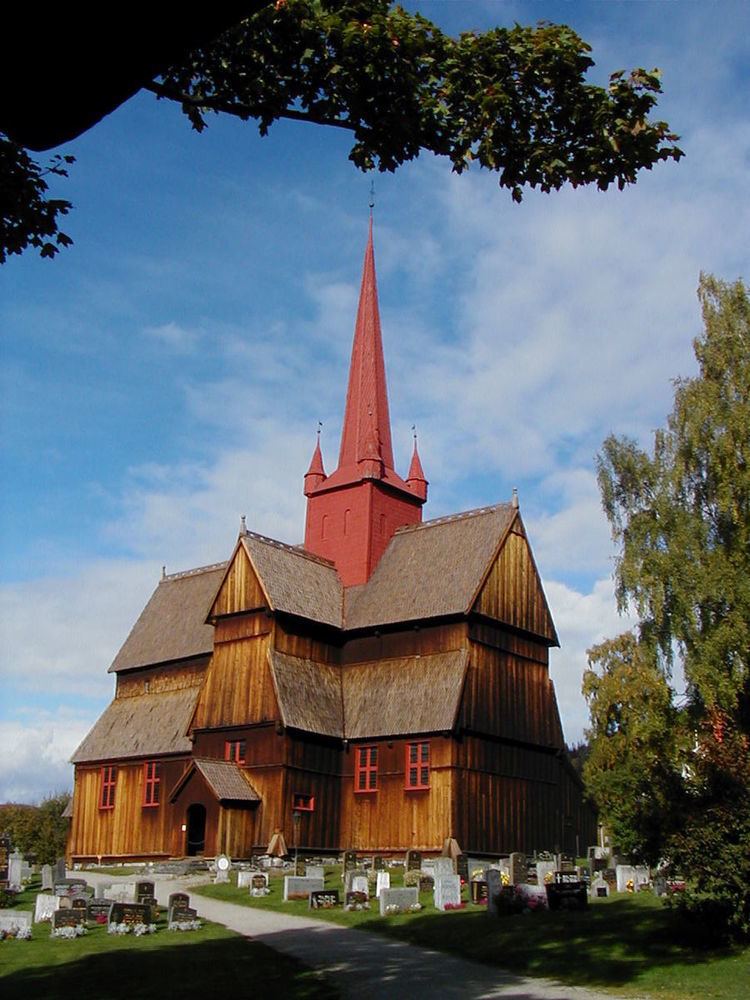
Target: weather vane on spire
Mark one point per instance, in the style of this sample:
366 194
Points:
372 195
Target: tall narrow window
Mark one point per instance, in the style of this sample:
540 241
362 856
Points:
107 792
366 771
151 782
418 765
235 750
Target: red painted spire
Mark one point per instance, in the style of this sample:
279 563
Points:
316 474
367 424
416 479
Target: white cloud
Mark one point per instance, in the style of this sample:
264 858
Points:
174 336
35 755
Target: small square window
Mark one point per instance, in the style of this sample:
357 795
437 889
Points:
303 803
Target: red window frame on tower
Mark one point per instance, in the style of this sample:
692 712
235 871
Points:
302 802
151 783
108 785
417 766
366 769
235 750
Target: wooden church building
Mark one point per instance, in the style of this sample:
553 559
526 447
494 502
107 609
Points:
383 686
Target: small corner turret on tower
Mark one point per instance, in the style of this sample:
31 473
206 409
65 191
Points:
353 513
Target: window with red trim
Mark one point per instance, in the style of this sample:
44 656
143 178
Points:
418 765
151 782
366 770
235 750
107 792
303 803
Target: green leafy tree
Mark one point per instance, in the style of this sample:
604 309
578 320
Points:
512 100
40 832
681 518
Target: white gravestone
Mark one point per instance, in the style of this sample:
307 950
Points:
443 866
45 906
360 884
403 898
296 885
15 867
384 882
223 867
543 868
315 871
244 879
599 888
14 919
447 891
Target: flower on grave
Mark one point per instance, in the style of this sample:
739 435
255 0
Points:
185 925
140 929
415 908
114 928
392 909
504 878
69 933
24 934
630 885
477 875
549 878
412 878
454 906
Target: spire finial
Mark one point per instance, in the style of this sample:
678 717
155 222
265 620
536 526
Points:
243 525
514 501
320 427
164 572
372 195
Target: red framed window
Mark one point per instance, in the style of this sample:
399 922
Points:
151 783
107 792
303 803
366 770
235 750
417 767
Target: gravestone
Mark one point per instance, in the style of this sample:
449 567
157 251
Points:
350 862
440 866
494 883
447 891
130 913
610 877
5 846
378 863
544 868
47 880
15 864
479 891
660 885
462 867
244 879
567 892
413 862
315 871
59 872
259 884
79 901
223 867
102 890
383 882
426 883
68 918
44 907
351 875
642 877
403 898
324 899
599 888
299 885
517 868
98 909
145 887
15 919
179 909
360 884
64 903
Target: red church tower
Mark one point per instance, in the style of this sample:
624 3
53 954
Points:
353 513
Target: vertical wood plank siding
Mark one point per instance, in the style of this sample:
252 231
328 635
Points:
240 590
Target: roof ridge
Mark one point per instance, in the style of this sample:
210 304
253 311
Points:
194 572
298 550
448 518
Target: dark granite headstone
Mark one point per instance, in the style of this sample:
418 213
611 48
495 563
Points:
98 908
494 885
59 873
350 861
518 869
68 917
179 900
258 882
462 867
130 913
567 892
79 901
426 883
324 899
378 863
413 861
357 898
145 887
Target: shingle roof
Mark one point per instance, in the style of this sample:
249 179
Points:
172 626
225 779
144 725
309 694
296 581
407 694
431 569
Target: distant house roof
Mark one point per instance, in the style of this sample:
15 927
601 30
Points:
225 779
431 569
144 725
407 694
296 581
172 626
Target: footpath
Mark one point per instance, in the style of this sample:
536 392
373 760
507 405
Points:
363 965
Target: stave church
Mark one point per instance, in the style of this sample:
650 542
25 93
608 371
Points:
382 686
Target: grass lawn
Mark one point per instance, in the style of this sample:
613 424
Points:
192 965
631 945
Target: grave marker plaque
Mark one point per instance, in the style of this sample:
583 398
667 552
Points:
494 885
567 892
413 861
44 906
299 885
356 898
68 918
378 863
15 866
447 891
383 882
404 898
14 918
315 871
98 910
47 880
350 861
517 868
143 888
426 883
462 867
59 872
130 913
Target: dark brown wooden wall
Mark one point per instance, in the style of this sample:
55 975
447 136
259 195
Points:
173 677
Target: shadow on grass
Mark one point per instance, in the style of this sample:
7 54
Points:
229 966
610 944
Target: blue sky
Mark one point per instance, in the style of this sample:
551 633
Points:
166 374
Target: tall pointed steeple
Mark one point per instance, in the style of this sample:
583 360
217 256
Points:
353 513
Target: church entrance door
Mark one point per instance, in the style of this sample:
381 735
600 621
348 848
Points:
196 829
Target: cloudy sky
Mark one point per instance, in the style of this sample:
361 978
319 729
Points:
166 374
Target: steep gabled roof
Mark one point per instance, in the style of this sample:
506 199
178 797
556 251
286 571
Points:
431 569
296 581
406 694
145 725
224 778
172 626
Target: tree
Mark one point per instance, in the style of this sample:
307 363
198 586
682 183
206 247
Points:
40 832
514 101
681 517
